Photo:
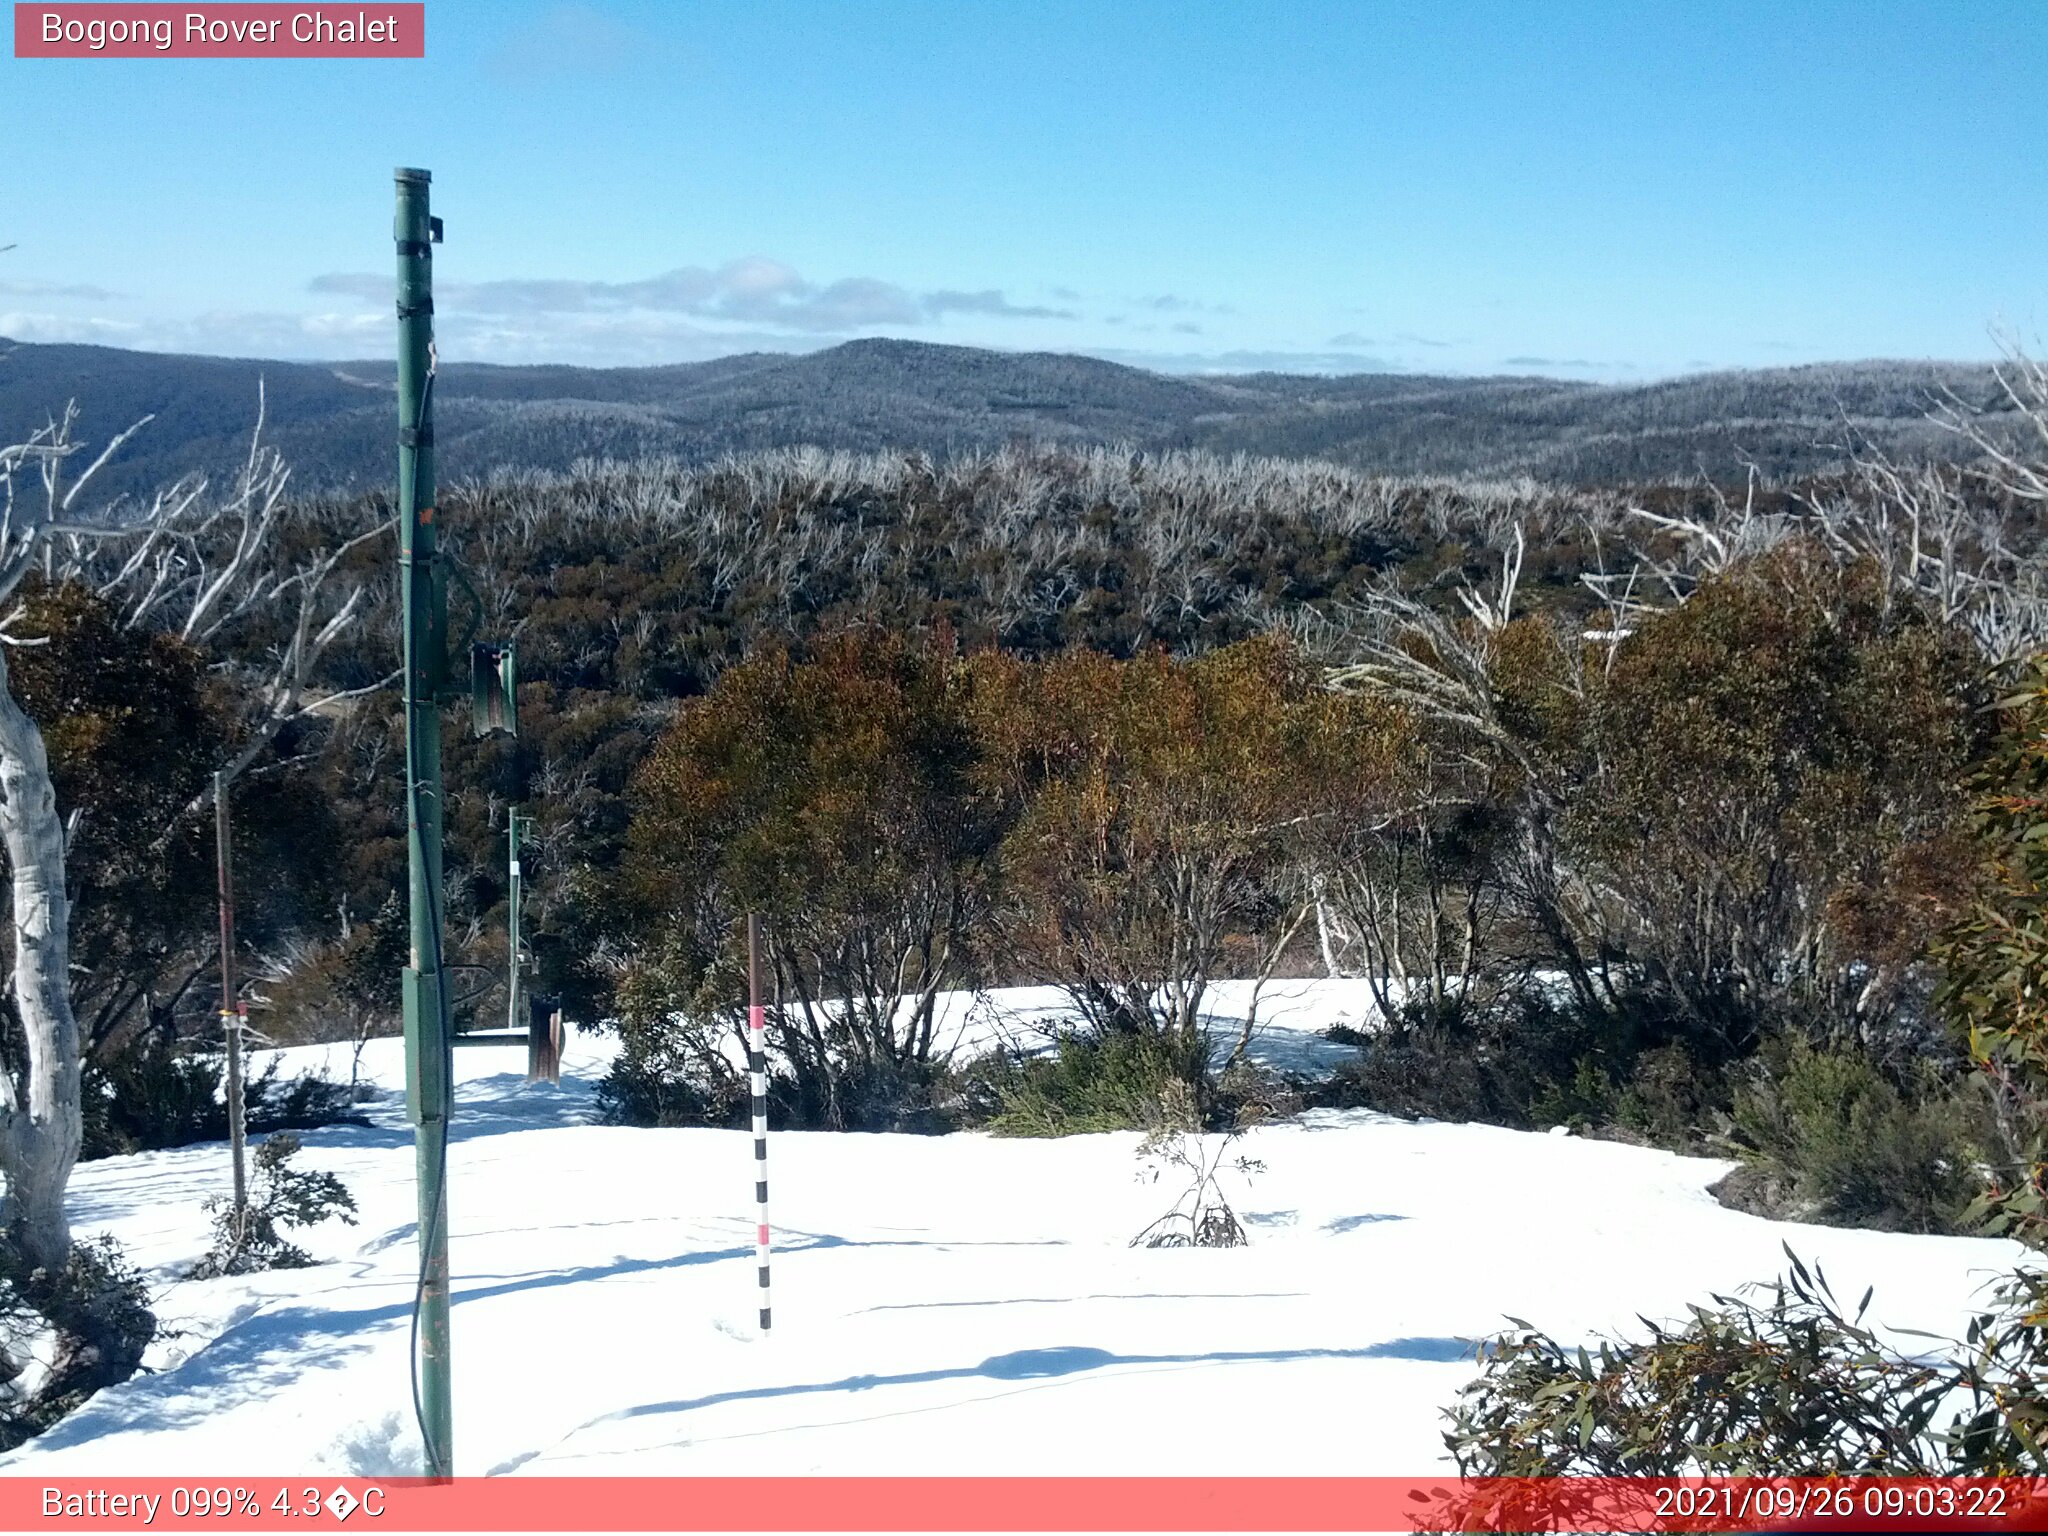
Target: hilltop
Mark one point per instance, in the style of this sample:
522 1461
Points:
334 421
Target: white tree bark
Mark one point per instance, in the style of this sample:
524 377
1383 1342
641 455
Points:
182 563
41 1127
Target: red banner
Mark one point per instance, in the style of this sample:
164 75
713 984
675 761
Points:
1029 1504
370 30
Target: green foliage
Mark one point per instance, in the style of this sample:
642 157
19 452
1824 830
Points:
646 1085
887 801
1845 1146
1670 1097
1589 1099
280 1197
1123 1080
1769 823
640 585
302 1103
1798 1385
66 1335
1794 1385
1530 1061
1522 1061
149 1094
132 736
1994 956
901 818
1428 1070
135 723
343 988
1634 865
672 1067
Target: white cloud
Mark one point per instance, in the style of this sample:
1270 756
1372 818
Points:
32 325
989 301
29 288
755 290
1174 304
1550 364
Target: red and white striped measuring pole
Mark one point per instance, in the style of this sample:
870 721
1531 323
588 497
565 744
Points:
757 1067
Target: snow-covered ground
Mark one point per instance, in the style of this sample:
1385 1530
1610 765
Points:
958 1304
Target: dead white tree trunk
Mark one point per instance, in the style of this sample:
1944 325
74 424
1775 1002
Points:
40 1117
180 562
41 1128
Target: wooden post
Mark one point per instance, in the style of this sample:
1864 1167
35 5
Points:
543 1040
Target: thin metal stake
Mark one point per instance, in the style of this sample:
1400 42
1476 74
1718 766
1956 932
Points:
231 1016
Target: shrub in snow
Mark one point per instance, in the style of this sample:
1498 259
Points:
65 1335
1994 957
833 791
1201 1216
1532 1062
305 1103
1793 1385
1738 822
1160 811
151 1094
666 1074
148 1095
1512 1063
1122 1081
1829 1137
339 987
282 1196
1836 714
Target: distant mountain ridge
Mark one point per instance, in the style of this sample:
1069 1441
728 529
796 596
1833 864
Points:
334 421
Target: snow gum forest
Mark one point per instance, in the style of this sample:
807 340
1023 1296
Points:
1432 973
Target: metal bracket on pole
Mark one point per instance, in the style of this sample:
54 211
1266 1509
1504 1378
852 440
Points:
428 1075
494 689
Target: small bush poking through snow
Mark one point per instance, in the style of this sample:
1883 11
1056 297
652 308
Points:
1201 1217
284 1196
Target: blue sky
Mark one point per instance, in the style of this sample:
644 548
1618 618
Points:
1620 191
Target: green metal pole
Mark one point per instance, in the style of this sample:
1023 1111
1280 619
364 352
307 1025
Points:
512 820
429 1058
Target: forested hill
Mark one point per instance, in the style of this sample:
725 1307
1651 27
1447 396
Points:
334 421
